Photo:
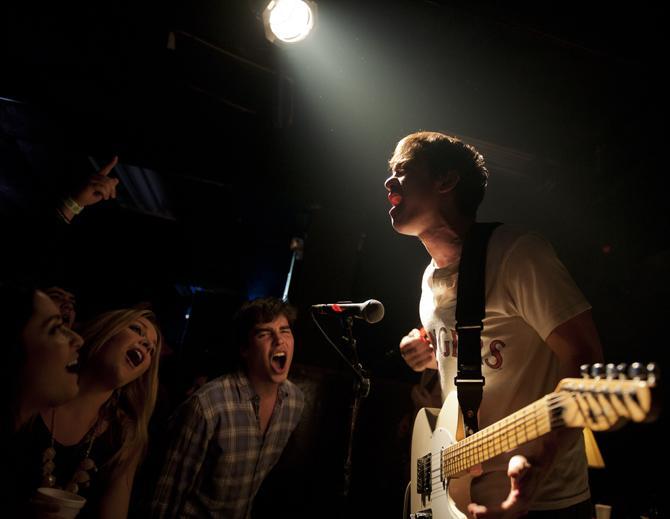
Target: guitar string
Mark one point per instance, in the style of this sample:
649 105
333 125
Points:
472 458
498 429
502 426
437 480
494 438
551 402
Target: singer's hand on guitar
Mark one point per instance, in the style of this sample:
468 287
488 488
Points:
417 351
518 500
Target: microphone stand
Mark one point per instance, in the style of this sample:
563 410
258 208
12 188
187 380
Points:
297 249
361 390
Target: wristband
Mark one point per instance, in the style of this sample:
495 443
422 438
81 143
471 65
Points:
62 216
72 205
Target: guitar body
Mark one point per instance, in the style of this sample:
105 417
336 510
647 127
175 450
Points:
442 459
435 430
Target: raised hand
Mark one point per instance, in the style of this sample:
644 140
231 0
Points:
100 186
417 351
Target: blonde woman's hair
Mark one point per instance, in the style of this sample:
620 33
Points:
134 402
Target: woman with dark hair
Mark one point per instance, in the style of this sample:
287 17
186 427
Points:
39 371
40 356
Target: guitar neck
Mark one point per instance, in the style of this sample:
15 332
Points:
519 428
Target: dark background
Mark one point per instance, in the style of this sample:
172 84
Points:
230 147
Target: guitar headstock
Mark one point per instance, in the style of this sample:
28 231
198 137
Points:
607 396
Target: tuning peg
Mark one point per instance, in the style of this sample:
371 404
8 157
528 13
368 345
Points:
622 369
637 370
652 372
611 372
597 370
584 369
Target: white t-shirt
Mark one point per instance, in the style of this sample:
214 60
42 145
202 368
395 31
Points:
528 294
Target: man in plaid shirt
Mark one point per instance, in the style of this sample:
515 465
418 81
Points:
228 435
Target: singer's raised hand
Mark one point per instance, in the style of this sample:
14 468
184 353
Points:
417 351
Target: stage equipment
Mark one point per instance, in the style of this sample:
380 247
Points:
289 21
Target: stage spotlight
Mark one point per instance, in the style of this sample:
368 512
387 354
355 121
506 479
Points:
289 21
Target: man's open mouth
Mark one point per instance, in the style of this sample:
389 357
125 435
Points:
395 198
278 360
135 357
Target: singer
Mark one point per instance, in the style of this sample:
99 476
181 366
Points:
537 326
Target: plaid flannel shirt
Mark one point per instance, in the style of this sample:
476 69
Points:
218 457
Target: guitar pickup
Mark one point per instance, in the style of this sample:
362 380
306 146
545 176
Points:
424 476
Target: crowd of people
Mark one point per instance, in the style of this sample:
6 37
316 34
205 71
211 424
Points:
78 397
78 405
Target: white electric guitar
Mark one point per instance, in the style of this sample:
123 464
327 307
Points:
603 399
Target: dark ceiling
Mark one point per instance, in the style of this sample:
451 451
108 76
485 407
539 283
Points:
231 146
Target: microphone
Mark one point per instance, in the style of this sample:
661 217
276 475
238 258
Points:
371 310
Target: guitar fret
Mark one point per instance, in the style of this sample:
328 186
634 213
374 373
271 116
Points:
574 403
577 402
509 433
504 444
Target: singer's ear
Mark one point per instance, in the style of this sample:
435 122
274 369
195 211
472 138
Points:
448 182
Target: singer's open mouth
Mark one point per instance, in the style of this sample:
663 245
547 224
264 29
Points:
395 198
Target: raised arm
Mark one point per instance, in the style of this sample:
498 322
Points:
99 186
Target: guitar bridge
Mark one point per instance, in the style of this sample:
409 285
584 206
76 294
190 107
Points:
423 476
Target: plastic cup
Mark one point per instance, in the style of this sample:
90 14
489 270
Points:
69 504
603 511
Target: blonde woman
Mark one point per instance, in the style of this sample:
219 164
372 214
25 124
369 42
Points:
92 444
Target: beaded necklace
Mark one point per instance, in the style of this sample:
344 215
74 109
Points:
81 477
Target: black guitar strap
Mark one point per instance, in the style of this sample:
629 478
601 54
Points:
470 309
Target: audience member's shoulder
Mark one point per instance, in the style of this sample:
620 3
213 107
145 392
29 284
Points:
216 390
294 391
